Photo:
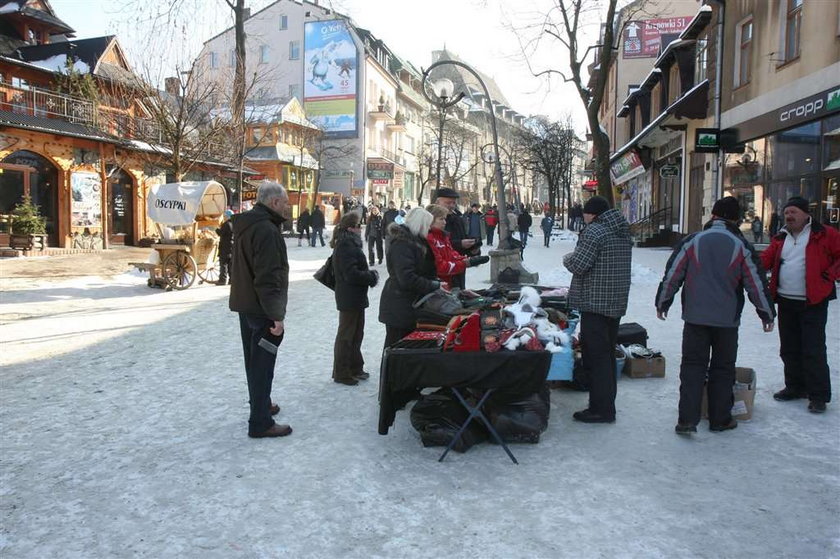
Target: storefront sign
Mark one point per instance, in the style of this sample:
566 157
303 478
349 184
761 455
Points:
590 185
805 110
86 207
626 167
380 181
669 171
642 39
706 140
380 169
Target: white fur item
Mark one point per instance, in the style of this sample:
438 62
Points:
520 337
529 296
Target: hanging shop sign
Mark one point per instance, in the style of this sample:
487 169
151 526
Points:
642 39
669 171
707 140
626 167
380 181
379 169
590 185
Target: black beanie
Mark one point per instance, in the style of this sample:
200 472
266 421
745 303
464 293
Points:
799 202
596 205
727 208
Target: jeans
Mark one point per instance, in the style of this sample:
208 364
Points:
259 370
698 341
802 347
598 336
547 235
523 236
317 234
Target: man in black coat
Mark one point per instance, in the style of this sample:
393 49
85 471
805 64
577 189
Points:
448 198
387 219
225 233
318 223
259 292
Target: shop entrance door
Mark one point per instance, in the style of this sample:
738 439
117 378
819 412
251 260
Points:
120 208
830 202
38 177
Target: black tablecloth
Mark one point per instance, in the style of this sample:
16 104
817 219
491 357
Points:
406 371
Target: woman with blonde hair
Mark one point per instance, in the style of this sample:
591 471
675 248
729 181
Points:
352 280
411 274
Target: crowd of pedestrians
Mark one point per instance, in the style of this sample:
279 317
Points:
426 249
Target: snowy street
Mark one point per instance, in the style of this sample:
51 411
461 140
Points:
124 413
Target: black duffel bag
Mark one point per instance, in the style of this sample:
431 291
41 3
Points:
438 416
632 333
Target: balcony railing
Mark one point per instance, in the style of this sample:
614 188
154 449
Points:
398 159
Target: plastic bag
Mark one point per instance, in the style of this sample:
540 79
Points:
519 419
438 416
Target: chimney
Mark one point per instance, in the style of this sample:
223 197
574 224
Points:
246 13
172 86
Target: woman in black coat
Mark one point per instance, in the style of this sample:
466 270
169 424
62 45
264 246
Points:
303 225
352 280
411 274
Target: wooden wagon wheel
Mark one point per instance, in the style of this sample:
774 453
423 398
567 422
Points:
210 272
179 270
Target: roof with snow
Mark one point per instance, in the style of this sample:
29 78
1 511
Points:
20 9
53 56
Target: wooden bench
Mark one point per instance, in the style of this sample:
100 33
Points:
154 269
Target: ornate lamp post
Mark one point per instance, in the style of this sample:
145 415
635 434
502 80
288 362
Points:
443 90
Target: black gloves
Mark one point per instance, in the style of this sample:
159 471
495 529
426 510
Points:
375 279
477 260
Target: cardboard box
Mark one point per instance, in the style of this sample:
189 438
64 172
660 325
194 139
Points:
640 367
743 393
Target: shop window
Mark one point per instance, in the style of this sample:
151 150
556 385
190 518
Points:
743 38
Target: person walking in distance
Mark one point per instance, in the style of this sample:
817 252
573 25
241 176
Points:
757 230
804 263
491 220
373 234
714 267
352 280
303 222
523 223
225 233
600 267
547 224
259 293
318 223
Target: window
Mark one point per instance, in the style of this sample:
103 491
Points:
284 23
701 57
294 90
793 26
744 36
294 50
232 61
214 59
263 54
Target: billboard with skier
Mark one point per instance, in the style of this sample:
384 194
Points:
330 69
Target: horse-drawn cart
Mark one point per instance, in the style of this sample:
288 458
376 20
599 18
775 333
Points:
186 215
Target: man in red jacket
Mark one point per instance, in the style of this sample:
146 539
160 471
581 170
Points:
804 263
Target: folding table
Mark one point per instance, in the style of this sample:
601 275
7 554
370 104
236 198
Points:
405 371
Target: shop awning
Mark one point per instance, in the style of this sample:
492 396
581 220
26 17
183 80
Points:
181 203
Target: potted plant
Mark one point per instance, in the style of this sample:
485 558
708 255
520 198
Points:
28 227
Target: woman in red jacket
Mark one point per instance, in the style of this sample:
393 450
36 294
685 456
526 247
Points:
448 261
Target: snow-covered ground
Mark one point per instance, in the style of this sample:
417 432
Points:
123 412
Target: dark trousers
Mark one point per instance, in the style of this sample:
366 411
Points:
491 229
598 336
304 234
259 370
459 281
802 340
523 237
224 268
547 235
347 351
698 341
393 335
317 233
377 242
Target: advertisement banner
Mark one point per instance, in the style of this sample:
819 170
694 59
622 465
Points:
378 169
627 167
330 85
86 207
642 39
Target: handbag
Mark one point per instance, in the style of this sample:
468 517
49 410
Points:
326 274
463 333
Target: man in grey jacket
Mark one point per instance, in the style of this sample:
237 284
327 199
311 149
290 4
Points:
600 265
716 265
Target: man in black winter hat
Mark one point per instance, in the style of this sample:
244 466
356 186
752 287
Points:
600 265
714 267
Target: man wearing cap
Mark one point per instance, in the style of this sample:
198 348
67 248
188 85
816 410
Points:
600 265
804 264
448 198
714 267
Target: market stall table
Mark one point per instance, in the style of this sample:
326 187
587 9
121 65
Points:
405 371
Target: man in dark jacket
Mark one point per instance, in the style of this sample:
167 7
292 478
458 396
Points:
318 223
303 227
225 233
804 263
259 292
715 265
600 265
448 198
523 223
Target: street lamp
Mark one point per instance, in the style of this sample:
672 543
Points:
445 87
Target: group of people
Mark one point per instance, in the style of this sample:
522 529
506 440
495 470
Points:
431 250
310 226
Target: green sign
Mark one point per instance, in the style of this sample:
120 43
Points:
669 171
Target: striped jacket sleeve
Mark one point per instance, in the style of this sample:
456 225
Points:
755 283
674 277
